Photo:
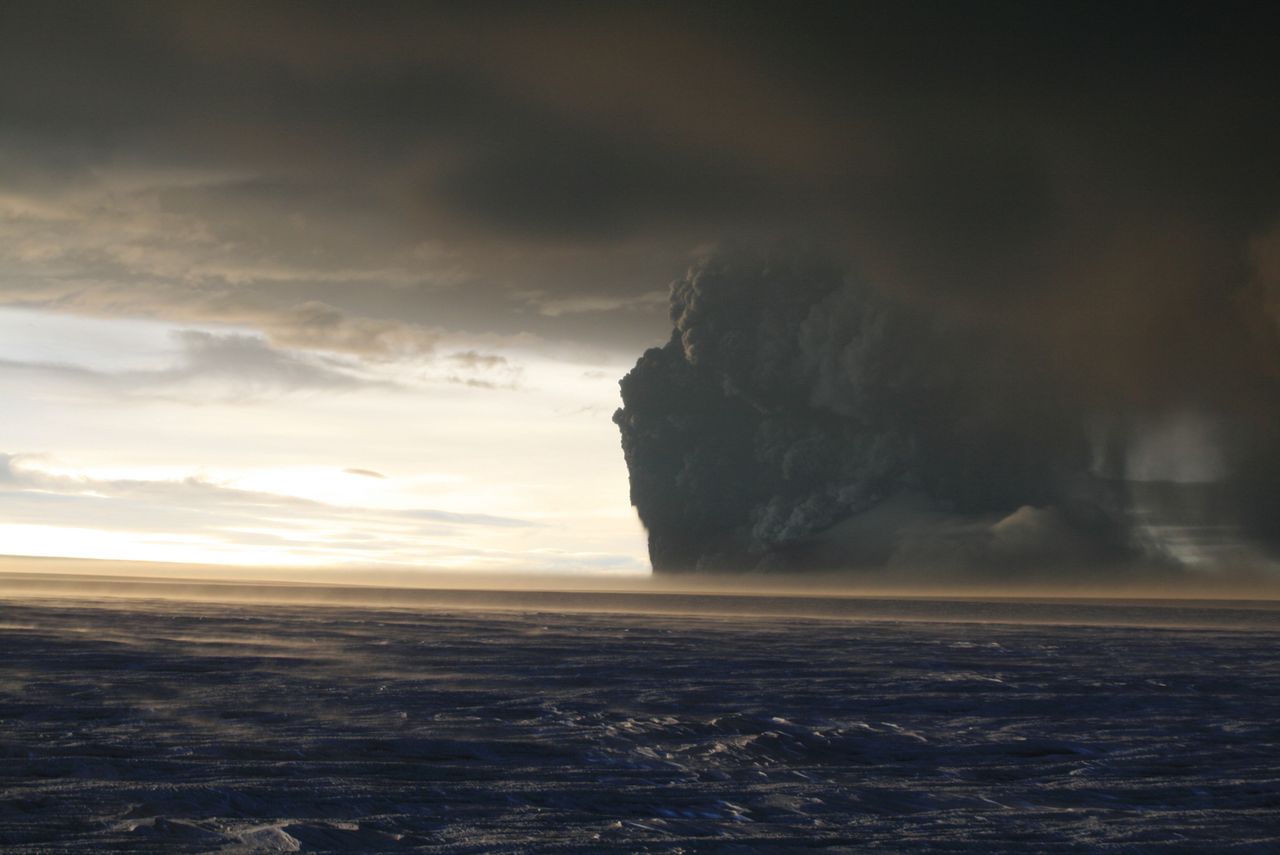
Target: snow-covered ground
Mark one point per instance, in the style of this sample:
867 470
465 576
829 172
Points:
175 727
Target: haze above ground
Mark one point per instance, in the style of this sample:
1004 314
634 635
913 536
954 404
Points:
24 577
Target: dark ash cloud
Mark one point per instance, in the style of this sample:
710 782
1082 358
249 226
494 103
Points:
1092 170
800 419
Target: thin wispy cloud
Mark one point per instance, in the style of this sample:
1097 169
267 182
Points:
214 367
197 507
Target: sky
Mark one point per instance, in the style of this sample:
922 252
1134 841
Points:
354 283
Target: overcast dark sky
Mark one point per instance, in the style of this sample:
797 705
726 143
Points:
389 181
547 167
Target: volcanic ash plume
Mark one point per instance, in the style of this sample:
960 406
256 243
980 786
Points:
800 420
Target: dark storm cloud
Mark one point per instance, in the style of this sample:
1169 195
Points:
1028 159
578 184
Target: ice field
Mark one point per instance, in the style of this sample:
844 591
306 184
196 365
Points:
167 726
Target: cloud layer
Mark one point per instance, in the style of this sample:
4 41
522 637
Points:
219 516
542 171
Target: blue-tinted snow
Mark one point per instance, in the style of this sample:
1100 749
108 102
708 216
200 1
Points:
176 727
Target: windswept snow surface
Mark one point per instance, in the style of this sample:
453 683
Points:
195 727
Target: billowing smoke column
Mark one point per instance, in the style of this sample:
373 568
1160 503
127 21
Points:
800 420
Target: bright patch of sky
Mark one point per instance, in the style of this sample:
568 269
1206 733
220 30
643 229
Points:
146 440
116 345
